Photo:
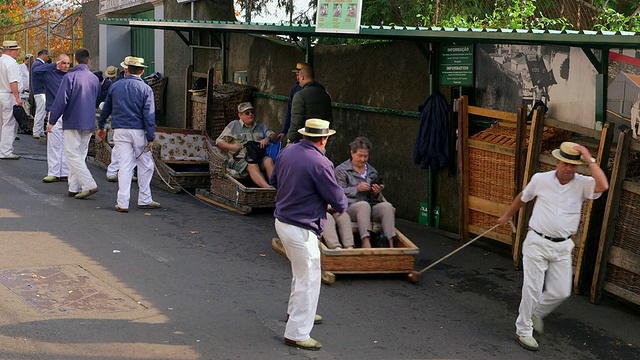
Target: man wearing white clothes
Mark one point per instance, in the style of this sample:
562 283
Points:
131 106
38 89
51 75
306 184
9 96
547 248
24 81
76 101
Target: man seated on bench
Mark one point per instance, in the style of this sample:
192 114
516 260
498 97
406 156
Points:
245 141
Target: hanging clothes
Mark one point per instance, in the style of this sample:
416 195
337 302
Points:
432 142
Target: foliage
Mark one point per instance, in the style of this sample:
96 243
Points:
26 21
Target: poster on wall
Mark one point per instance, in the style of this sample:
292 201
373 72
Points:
338 16
559 77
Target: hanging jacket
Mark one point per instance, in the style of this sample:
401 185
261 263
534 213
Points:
432 142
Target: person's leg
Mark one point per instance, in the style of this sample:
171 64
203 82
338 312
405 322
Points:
558 280
71 139
360 212
84 175
9 126
38 119
145 168
55 150
268 165
330 234
385 213
302 249
343 224
112 169
534 266
124 148
256 176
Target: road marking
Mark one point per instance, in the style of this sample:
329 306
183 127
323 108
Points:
51 200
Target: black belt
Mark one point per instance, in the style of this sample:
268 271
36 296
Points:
554 239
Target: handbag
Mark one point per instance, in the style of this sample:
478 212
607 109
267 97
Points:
273 148
21 117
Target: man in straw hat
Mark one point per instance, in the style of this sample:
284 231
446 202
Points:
76 101
306 184
9 96
131 106
547 248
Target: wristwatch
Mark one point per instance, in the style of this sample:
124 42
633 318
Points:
592 160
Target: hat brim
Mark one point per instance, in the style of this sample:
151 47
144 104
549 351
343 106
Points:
304 133
125 66
556 154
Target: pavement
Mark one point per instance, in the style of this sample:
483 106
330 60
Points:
194 281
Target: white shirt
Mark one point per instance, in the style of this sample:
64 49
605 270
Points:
556 212
9 72
24 77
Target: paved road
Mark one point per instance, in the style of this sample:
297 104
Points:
191 281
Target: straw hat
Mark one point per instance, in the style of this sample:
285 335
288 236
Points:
299 67
316 128
111 71
568 154
133 61
10 45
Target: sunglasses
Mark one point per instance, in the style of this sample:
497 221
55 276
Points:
248 112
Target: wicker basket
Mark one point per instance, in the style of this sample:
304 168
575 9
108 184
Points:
217 161
224 109
103 152
233 190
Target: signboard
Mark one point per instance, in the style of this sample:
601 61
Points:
112 5
456 65
339 16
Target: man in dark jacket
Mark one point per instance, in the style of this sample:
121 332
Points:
312 102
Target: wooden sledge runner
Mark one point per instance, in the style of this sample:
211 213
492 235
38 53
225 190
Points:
396 260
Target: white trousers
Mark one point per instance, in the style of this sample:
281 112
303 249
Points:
76 144
8 125
114 166
56 160
546 264
129 145
38 119
303 252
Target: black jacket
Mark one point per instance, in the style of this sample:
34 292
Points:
432 142
309 103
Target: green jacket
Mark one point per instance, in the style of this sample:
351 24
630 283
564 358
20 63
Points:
309 103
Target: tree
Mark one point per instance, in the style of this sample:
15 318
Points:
42 24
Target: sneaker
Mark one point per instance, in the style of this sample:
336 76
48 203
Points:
50 179
527 342
538 324
11 157
309 344
36 136
112 178
72 193
121 209
86 194
151 205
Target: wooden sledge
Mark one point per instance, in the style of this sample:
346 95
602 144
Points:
396 260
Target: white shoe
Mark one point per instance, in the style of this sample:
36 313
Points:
538 324
527 342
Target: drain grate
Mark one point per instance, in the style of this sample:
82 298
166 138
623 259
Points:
65 290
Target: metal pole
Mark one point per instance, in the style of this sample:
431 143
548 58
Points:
73 40
48 35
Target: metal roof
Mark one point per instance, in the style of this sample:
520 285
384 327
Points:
582 38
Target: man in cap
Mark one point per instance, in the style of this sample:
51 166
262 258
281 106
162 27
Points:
106 80
131 106
9 96
312 101
76 100
294 90
306 184
51 75
547 248
245 141
39 94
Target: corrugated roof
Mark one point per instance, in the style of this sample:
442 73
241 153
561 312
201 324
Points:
592 39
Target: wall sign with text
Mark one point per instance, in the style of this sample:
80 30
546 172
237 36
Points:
339 16
456 65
